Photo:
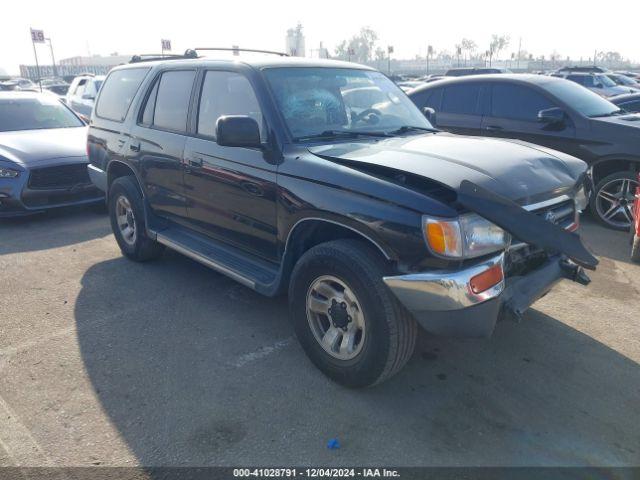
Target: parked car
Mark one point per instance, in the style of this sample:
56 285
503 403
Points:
371 220
82 93
409 85
21 84
635 227
629 102
43 158
550 112
463 72
596 82
633 75
582 69
624 81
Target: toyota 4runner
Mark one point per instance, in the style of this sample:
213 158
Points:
322 179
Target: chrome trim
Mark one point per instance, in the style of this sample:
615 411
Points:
443 290
97 176
178 247
547 203
286 245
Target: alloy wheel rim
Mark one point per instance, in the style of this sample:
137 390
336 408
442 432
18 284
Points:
614 202
126 220
335 317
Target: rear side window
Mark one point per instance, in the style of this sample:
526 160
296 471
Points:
117 93
172 101
517 102
461 99
226 93
428 98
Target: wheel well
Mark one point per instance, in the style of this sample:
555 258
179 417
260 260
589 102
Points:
309 233
607 167
117 170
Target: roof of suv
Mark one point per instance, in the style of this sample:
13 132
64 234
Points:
494 77
254 60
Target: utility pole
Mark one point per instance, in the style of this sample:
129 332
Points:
429 52
389 52
519 50
53 59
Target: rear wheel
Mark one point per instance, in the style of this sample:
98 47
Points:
612 200
347 320
126 213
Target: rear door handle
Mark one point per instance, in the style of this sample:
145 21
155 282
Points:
493 128
134 146
196 161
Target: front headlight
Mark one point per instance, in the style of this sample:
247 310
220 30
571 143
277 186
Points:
467 236
581 199
8 173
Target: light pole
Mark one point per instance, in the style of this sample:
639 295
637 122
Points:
389 52
53 59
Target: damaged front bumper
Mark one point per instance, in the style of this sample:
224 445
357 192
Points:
444 303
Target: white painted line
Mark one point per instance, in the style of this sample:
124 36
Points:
17 440
261 353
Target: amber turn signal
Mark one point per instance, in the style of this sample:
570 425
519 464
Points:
487 279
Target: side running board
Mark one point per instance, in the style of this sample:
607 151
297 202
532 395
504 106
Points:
246 269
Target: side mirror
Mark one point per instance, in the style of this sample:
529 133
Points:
238 131
430 113
552 116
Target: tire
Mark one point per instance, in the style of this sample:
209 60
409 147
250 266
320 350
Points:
388 336
599 204
138 246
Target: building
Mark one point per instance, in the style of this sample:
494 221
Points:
96 60
295 42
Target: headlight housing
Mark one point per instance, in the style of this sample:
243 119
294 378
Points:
467 236
8 173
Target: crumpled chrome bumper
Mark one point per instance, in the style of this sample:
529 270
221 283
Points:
444 304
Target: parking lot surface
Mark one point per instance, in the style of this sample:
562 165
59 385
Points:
107 362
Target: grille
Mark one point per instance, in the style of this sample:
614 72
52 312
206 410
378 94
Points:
61 176
562 213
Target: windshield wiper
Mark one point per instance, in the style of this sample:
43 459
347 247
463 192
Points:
411 128
343 133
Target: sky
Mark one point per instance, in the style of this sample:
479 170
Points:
568 27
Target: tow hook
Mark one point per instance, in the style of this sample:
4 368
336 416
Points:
574 272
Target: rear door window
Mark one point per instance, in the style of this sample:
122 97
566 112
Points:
517 102
117 93
172 102
461 99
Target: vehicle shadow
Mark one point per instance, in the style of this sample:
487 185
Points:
194 369
52 229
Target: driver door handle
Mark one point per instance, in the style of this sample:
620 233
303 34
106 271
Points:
196 161
493 128
134 146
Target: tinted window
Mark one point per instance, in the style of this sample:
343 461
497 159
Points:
34 114
517 102
462 99
147 115
428 98
631 106
580 99
172 102
118 91
226 93
577 78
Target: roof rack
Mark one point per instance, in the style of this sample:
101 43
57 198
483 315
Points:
268 52
150 57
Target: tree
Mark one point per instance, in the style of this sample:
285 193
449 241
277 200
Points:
497 44
468 46
360 47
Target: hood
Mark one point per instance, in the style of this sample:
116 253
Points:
30 147
617 90
517 170
631 121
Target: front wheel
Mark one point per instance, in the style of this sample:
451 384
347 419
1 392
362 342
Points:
346 319
612 200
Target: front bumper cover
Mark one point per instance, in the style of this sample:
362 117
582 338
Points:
444 304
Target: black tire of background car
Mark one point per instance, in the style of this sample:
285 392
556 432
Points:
390 329
600 184
144 248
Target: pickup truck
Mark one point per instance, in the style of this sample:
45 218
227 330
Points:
322 180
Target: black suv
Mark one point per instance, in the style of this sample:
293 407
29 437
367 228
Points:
279 173
551 112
